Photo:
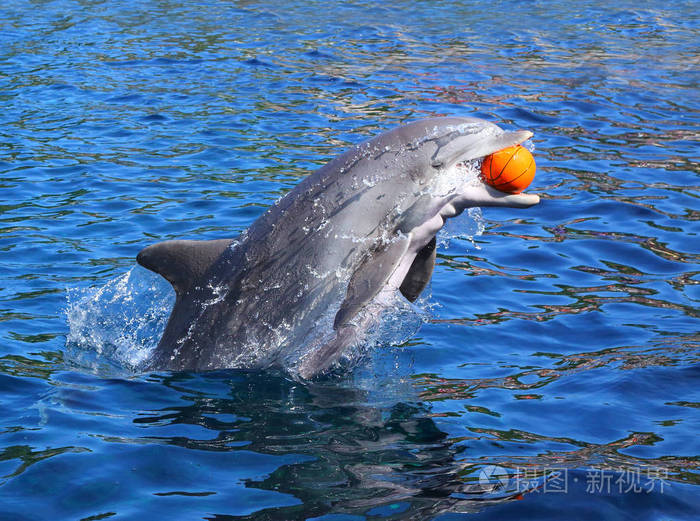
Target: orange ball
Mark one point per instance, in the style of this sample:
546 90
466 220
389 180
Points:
509 170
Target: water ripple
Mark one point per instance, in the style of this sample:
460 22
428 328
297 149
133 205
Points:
565 336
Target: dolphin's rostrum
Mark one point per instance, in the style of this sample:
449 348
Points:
299 286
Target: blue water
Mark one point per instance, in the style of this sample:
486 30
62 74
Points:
556 376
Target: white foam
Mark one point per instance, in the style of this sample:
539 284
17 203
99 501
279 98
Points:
469 224
466 226
119 323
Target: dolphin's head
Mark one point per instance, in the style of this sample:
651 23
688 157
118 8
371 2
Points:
442 152
469 140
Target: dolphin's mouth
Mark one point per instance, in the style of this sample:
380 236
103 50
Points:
468 168
463 177
478 146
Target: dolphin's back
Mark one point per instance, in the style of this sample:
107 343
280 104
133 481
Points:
239 302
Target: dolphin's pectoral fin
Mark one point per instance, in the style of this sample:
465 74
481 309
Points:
320 360
420 272
369 278
182 262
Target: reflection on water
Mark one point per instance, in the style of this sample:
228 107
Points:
321 444
325 447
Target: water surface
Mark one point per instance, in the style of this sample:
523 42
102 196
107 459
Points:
557 375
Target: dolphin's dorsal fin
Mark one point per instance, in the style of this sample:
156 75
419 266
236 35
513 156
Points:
420 272
182 262
369 278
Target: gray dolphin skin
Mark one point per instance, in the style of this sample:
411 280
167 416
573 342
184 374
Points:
297 289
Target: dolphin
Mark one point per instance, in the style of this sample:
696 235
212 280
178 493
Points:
297 288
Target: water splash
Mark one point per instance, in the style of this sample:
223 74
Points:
397 320
116 326
389 320
470 223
